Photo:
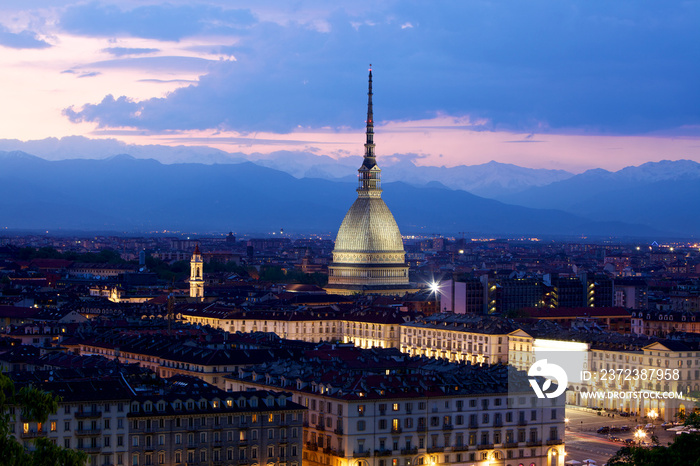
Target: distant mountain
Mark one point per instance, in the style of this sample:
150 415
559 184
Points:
659 194
127 194
487 180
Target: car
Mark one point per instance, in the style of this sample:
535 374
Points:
624 414
614 439
649 427
629 441
624 428
603 430
667 425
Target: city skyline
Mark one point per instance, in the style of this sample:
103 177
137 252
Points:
552 85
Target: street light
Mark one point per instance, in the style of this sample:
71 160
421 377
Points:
566 423
639 435
653 415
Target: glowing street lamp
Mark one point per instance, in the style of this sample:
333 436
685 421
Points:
640 435
434 287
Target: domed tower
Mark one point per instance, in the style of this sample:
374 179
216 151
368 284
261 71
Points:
368 256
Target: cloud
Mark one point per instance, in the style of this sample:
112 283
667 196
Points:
122 51
163 63
90 74
21 40
165 22
553 66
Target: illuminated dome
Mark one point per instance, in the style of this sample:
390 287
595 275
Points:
368 256
368 229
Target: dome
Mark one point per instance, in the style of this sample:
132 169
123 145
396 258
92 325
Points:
368 229
368 256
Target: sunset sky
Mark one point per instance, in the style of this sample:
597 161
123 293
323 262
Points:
548 83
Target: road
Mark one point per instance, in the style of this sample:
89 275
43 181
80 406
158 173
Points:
582 442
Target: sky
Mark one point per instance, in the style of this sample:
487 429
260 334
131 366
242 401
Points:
544 84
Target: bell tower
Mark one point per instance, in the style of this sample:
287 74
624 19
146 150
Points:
197 275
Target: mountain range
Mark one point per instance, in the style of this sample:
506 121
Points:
127 194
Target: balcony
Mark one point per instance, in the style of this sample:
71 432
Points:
396 430
447 427
361 454
327 451
382 452
510 445
435 449
485 446
473 425
409 451
88 414
522 422
33 434
460 448
534 443
87 432
320 427
421 428
555 441
90 449
312 446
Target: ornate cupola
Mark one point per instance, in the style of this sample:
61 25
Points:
369 257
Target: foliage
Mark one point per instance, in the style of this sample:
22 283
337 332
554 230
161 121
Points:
685 450
279 275
34 406
105 256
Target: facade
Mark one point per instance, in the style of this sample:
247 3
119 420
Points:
364 328
660 323
369 256
476 339
188 422
91 417
384 414
197 275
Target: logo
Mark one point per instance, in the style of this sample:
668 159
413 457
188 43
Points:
550 372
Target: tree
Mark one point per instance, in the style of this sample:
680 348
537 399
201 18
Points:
32 405
685 450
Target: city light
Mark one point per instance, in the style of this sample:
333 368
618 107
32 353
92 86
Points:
434 287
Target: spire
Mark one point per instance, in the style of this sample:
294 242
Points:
369 144
369 172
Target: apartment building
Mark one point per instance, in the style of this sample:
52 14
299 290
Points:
384 408
188 422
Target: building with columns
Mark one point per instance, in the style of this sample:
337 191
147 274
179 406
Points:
369 256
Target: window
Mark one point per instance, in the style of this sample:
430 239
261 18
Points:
382 423
135 460
178 439
395 407
360 425
135 441
178 457
361 410
270 451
